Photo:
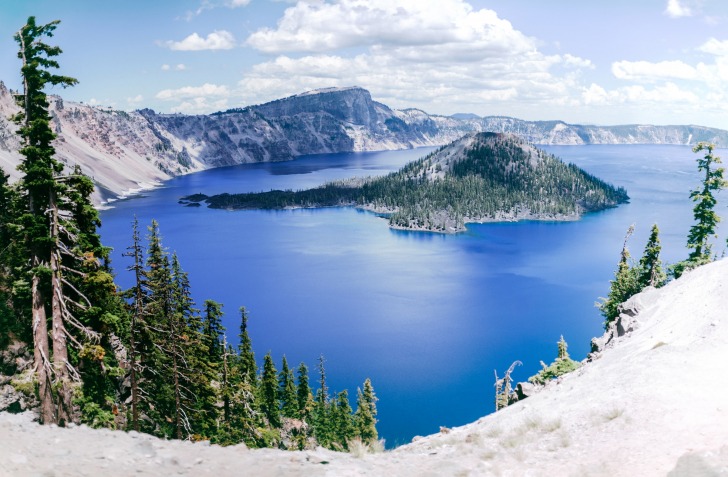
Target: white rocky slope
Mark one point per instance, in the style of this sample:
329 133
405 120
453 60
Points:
654 403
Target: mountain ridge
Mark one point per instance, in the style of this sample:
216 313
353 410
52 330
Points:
124 152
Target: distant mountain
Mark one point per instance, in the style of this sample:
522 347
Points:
465 116
124 152
481 177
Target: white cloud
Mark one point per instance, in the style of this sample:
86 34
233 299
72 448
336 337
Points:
715 47
135 100
320 27
206 90
237 3
200 106
678 9
648 71
177 67
217 40
438 52
197 99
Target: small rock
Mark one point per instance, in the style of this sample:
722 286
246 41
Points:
525 389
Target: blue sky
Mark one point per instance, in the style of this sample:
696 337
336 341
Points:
599 62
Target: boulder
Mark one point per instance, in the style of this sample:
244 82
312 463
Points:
12 400
526 389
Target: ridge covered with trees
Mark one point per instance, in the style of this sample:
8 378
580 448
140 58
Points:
480 177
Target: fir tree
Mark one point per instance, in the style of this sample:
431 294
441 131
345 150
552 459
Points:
40 190
651 272
624 285
270 405
247 357
366 413
66 266
14 299
343 421
563 364
705 216
304 398
137 295
322 428
213 330
287 391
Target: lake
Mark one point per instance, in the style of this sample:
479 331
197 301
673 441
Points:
427 317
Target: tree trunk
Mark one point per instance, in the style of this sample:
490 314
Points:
177 400
40 354
62 379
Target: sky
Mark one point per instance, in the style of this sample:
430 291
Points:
593 62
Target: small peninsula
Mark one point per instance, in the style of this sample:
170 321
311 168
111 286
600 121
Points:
481 177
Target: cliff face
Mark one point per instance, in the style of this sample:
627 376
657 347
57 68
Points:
124 151
120 151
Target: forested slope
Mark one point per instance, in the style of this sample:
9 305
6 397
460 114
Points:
480 177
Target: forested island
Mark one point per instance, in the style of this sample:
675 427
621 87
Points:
481 177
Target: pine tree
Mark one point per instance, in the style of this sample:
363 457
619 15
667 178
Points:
247 356
624 285
270 405
322 428
651 272
705 216
40 189
287 391
137 295
343 421
366 413
14 299
563 364
304 398
65 267
213 330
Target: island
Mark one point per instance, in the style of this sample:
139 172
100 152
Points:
481 177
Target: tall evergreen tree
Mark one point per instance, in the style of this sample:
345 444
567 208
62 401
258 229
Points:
247 356
304 398
343 421
270 405
322 427
287 391
624 285
651 272
366 413
12 285
40 191
65 267
136 330
704 197
213 330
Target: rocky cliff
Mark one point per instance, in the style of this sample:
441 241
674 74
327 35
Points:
127 151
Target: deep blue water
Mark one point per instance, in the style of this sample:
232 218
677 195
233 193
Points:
427 317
